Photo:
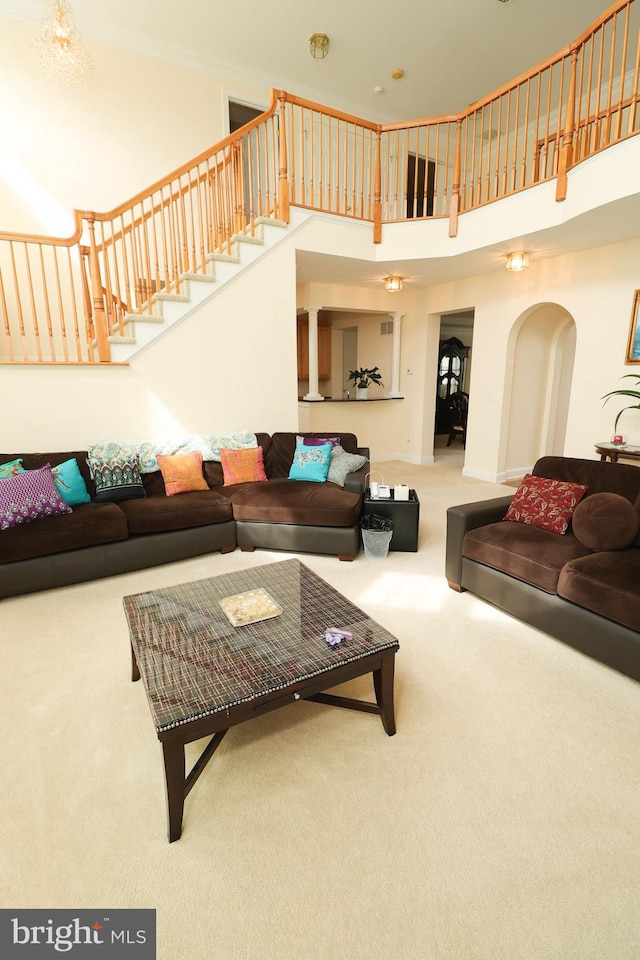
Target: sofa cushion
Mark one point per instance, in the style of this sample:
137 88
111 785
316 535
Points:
545 503
295 501
182 473
528 553
311 463
70 483
31 461
342 464
89 524
158 514
11 469
28 496
242 466
599 476
606 521
116 478
279 456
605 583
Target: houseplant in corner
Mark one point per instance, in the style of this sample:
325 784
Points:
363 377
634 394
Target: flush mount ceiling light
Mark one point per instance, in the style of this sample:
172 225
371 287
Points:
518 261
318 45
393 284
58 51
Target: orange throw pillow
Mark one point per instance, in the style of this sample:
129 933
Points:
242 466
182 473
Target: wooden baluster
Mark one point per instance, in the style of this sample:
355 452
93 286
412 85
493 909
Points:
283 175
377 193
455 190
7 326
612 52
634 95
564 162
74 301
86 297
525 144
623 73
32 300
99 315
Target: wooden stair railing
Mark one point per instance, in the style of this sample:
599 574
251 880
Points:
63 300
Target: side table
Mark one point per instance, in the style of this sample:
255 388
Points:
613 451
405 515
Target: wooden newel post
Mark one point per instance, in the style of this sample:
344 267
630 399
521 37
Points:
283 181
97 295
454 206
377 194
566 151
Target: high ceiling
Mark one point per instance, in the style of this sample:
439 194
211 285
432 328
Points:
452 51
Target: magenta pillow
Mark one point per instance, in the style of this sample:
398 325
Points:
545 503
317 441
28 496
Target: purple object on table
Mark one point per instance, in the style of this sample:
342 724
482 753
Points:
333 635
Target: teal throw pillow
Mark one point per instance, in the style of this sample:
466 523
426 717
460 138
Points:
70 483
311 463
11 468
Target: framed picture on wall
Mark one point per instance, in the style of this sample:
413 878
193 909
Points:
633 343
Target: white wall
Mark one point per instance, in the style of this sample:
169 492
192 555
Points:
94 146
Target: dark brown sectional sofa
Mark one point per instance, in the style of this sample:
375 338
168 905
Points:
103 539
587 596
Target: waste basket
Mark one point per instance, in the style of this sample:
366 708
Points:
376 535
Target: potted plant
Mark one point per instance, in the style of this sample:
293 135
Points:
363 377
635 394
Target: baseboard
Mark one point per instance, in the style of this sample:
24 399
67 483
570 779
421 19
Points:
404 458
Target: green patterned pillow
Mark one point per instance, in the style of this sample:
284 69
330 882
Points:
116 478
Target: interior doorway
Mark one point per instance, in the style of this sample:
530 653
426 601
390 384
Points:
241 113
542 352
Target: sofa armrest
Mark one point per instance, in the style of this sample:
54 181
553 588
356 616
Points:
461 519
356 481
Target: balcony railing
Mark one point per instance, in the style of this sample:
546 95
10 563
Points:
67 300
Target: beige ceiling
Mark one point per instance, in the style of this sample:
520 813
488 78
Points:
452 51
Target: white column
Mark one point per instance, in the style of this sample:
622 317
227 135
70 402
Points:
314 393
395 356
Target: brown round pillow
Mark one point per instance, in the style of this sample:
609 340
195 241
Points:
606 521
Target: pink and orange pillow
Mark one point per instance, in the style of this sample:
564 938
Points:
242 466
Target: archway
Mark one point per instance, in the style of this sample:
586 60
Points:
539 368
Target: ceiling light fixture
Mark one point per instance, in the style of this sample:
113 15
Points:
318 45
59 51
393 284
518 261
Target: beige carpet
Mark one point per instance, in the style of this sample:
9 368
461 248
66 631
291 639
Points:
500 823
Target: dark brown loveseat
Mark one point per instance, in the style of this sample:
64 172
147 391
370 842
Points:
103 539
586 594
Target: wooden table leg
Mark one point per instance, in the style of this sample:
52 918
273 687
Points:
174 775
135 672
383 686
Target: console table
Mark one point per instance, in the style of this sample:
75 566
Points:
614 451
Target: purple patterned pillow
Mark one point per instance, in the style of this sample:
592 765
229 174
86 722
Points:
28 496
317 441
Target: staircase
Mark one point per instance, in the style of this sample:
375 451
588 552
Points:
168 308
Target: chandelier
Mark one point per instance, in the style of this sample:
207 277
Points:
58 51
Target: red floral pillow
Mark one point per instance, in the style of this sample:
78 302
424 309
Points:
545 503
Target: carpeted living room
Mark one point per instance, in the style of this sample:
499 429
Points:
479 799
498 822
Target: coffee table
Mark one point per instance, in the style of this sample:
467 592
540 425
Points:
202 675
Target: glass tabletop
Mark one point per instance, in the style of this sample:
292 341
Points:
194 663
